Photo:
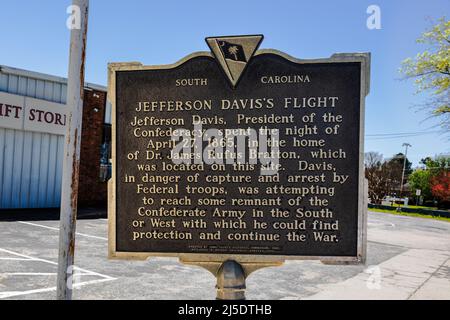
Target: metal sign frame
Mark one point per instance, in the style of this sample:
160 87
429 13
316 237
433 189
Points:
245 259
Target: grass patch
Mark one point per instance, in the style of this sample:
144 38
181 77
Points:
395 205
422 207
407 214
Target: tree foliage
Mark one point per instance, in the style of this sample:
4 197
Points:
431 68
384 177
437 163
440 186
377 181
400 158
420 179
434 179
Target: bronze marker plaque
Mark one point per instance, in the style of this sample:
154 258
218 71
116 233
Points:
311 208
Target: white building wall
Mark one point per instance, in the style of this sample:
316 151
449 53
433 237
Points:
30 162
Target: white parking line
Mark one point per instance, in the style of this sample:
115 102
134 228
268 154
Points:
43 273
23 257
10 294
375 222
54 263
28 273
57 229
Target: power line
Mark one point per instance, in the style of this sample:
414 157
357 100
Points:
384 136
402 133
397 137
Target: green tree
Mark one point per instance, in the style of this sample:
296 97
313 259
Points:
432 176
431 68
420 179
437 164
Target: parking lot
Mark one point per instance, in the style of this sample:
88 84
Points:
408 258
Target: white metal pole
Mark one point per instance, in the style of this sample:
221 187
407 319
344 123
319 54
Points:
71 158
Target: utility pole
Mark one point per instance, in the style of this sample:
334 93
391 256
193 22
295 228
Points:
71 158
406 145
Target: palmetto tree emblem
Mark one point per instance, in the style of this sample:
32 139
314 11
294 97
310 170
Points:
233 53
233 50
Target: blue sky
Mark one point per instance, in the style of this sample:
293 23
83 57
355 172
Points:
34 37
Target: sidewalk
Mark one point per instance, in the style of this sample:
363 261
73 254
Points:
415 274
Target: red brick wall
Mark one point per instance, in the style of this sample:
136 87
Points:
92 192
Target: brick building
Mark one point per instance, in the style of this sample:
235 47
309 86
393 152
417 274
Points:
95 139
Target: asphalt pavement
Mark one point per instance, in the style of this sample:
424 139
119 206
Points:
408 258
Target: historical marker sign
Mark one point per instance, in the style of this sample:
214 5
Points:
239 153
